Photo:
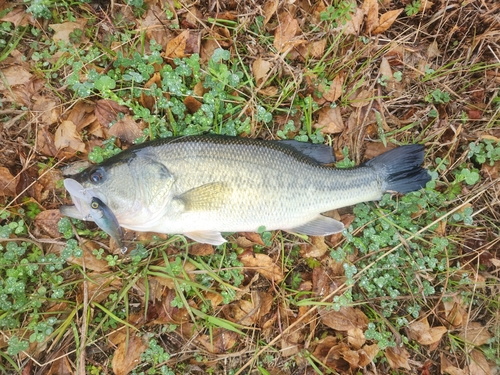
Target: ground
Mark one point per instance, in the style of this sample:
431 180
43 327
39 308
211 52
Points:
410 287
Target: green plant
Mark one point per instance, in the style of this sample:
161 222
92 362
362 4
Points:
413 8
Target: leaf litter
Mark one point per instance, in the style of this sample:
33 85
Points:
347 106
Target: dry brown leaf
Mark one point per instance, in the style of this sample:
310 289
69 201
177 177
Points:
17 16
398 357
126 129
285 33
8 183
48 222
128 354
433 50
263 264
352 26
455 312
201 249
314 49
63 30
367 353
14 75
241 312
269 91
356 337
220 341
82 114
90 260
386 20
361 99
335 90
260 68
107 111
48 109
67 136
346 319
177 46
421 332
370 7
45 142
192 104
385 69
475 333
270 8
478 364
330 120
316 249
448 368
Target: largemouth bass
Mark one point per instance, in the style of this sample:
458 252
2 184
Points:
200 186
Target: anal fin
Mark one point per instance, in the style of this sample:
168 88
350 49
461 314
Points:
209 237
319 226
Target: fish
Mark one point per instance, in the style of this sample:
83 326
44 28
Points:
203 186
89 207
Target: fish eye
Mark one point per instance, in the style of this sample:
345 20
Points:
97 176
94 205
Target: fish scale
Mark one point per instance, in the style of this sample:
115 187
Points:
201 186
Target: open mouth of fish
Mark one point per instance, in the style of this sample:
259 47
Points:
89 206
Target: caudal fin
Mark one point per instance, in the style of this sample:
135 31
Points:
401 168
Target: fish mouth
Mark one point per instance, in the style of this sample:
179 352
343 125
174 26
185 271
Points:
81 198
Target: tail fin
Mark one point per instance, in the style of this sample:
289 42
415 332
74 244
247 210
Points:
400 168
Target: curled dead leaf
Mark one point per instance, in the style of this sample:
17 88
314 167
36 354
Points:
220 341
8 183
478 364
386 21
448 368
177 46
126 129
260 68
67 136
421 332
285 33
128 354
330 120
370 7
346 319
475 333
264 265
398 357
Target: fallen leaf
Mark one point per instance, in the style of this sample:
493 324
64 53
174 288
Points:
260 68
352 26
370 7
47 108
67 136
8 183
386 20
220 341
241 312
330 120
421 332
201 249
90 260
448 368
316 249
192 105
346 319
82 114
335 90
107 111
398 357
356 337
177 46
263 264
361 99
45 142
269 91
63 30
285 33
48 222
17 16
128 354
14 75
475 333
269 9
126 129
478 364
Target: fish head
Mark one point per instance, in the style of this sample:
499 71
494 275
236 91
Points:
135 187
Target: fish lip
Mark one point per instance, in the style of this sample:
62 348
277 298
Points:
82 197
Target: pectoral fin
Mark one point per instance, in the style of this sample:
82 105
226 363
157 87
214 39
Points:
209 237
319 226
207 197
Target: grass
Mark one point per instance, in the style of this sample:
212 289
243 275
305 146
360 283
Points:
170 306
